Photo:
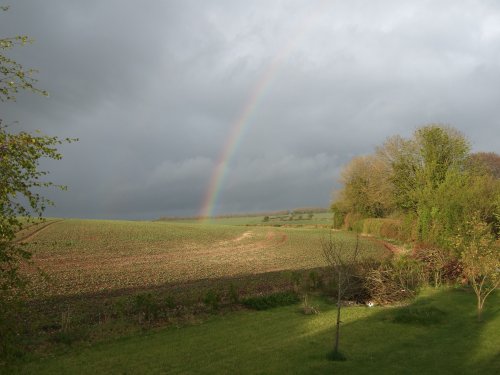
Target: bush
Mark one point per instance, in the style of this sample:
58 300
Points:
234 295
357 226
146 306
272 300
372 226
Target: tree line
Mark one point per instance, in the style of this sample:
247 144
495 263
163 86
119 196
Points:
431 182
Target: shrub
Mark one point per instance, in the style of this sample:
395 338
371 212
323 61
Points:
350 219
212 299
314 280
272 300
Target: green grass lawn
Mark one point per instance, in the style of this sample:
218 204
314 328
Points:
284 341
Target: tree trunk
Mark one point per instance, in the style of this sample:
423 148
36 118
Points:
479 309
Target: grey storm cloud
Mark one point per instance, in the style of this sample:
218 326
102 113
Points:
153 89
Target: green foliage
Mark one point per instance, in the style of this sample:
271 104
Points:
13 76
272 300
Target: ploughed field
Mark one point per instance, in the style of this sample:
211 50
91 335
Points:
96 256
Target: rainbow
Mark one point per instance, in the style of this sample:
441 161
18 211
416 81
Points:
239 126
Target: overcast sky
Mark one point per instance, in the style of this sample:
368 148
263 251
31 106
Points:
153 89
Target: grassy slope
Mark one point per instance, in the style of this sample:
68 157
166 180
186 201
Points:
283 341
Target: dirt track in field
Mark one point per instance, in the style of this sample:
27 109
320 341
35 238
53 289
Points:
40 227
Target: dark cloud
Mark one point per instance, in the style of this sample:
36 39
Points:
153 89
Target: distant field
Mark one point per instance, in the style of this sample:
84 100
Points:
88 256
322 218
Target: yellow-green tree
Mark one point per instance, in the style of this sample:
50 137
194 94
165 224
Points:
480 257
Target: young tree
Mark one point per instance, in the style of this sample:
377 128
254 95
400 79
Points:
480 257
342 258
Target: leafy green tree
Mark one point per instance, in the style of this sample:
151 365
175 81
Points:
21 182
420 165
14 77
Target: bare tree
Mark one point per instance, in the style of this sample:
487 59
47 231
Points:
342 257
